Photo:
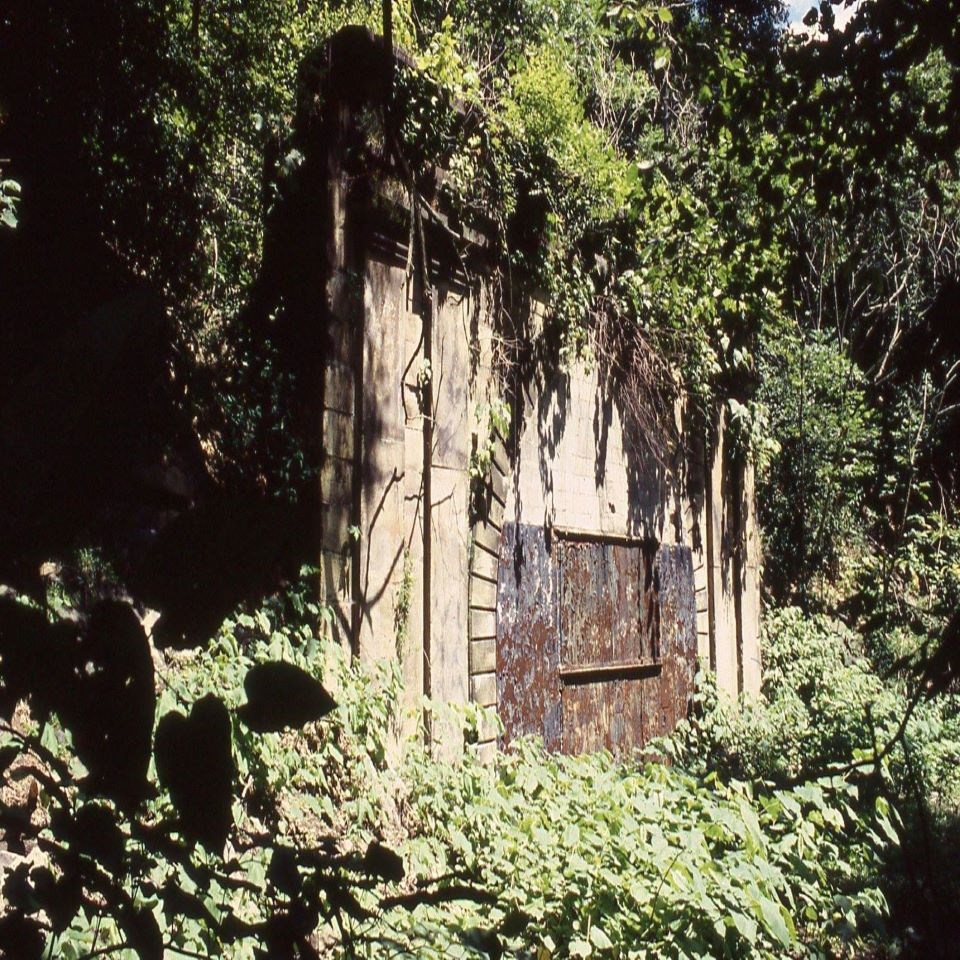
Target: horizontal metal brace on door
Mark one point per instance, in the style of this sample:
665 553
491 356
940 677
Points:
594 536
617 670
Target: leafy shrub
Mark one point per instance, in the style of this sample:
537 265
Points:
812 494
812 712
545 112
536 854
825 707
908 593
594 857
251 827
321 780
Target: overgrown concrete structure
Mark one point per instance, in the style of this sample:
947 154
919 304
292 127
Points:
558 569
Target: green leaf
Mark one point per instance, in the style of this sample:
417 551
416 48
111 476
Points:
775 920
599 939
884 823
746 926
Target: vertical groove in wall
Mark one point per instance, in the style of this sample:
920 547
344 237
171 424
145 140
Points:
711 558
736 468
427 306
339 479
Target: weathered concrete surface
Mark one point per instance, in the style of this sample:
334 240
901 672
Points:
725 652
573 470
750 592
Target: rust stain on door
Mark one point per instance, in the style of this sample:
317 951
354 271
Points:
668 701
608 632
528 637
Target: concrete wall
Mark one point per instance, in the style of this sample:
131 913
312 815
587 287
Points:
397 435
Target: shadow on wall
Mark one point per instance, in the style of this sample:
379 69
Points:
646 473
569 408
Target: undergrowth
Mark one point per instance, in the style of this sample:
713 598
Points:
832 704
534 855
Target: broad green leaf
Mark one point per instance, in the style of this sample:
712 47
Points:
775 919
599 939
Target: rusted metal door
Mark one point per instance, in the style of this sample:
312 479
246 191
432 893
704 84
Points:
596 638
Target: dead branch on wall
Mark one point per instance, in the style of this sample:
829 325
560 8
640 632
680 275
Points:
640 379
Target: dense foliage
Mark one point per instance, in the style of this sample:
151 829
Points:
664 172
814 487
216 836
827 710
762 220
606 859
566 856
